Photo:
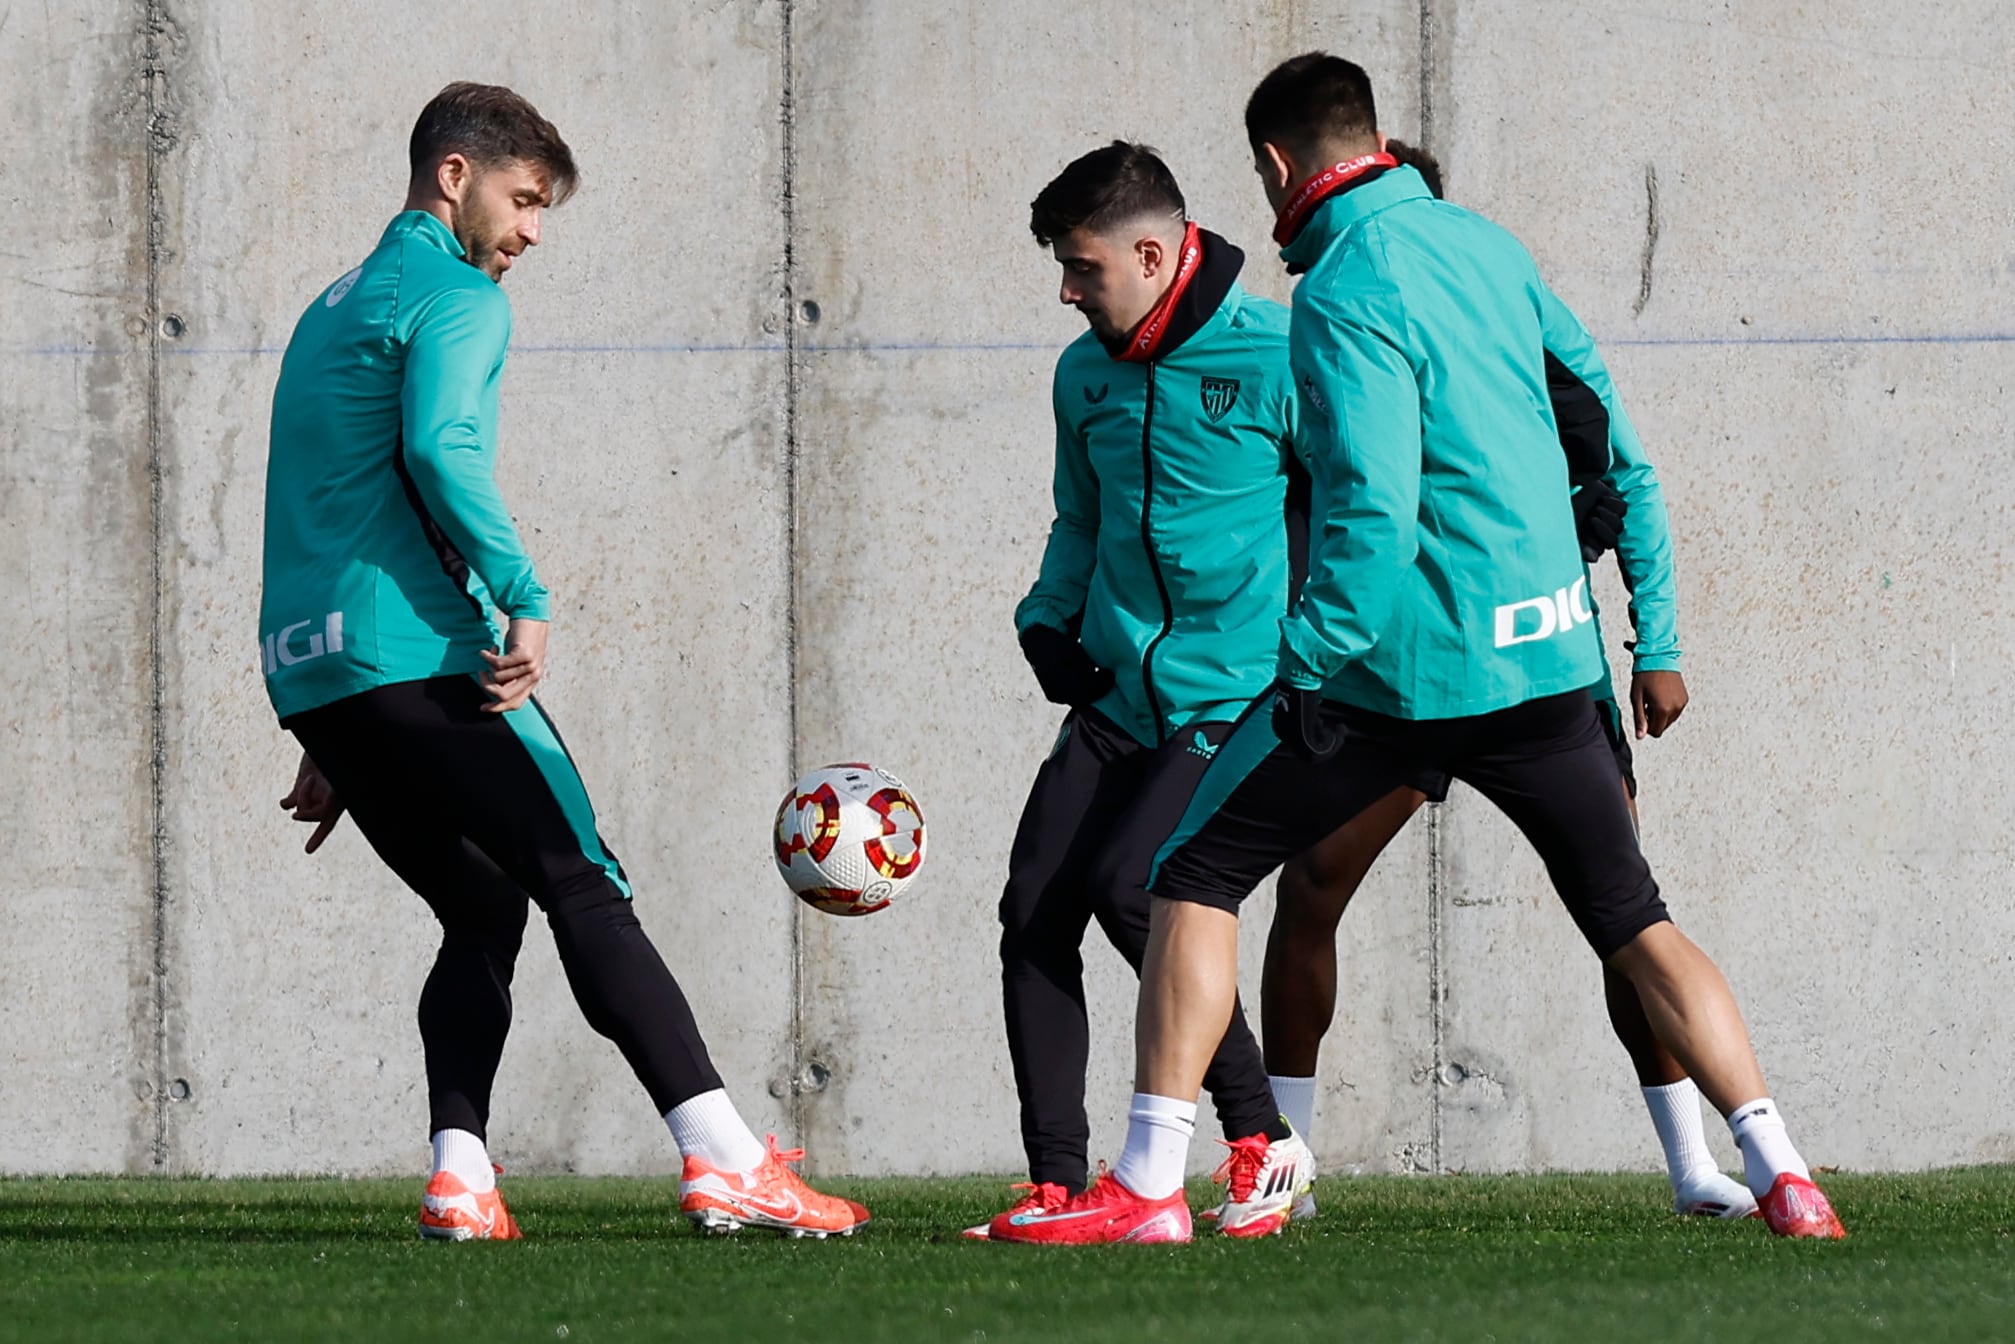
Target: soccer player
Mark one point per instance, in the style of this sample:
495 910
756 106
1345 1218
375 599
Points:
1444 625
388 548
1298 991
1153 619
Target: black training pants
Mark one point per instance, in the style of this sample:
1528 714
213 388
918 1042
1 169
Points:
480 813
1100 805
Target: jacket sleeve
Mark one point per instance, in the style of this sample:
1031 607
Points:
1359 420
454 361
1644 552
1058 597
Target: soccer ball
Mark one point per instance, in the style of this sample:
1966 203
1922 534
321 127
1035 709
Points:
849 839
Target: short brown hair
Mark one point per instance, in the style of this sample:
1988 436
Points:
1311 102
488 124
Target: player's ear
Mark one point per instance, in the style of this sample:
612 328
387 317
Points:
1151 254
452 176
1275 166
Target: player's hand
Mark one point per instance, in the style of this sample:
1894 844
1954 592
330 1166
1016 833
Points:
312 799
1598 515
1657 699
1297 722
516 672
1062 668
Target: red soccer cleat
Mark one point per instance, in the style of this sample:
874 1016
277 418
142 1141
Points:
1795 1207
450 1211
1107 1212
772 1196
1039 1199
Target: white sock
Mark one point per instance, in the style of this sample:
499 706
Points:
1158 1131
1296 1099
1675 1114
710 1128
1758 1127
462 1155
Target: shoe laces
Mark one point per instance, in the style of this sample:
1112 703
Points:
1043 1195
785 1154
1242 1165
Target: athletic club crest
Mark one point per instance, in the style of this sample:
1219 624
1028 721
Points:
1219 396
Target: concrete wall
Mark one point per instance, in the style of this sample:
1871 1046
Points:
776 428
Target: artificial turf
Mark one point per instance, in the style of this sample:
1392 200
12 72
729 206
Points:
1586 1258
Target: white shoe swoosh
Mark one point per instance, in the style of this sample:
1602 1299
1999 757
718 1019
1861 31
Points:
1029 1219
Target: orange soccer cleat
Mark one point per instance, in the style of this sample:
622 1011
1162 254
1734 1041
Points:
451 1211
1039 1199
1795 1207
770 1196
1107 1212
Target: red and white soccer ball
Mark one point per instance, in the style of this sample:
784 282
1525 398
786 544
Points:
849 839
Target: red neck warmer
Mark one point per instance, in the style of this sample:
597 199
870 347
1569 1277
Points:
1320 188
1146 341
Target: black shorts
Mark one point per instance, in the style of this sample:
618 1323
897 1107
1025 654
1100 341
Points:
1544 764
1435 783
1611 714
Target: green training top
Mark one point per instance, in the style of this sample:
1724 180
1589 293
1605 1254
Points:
1444 576
1170 540
388 545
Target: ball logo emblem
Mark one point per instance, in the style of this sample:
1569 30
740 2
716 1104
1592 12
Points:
813 834
897 851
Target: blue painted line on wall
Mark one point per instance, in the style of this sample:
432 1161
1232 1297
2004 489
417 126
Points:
1002 347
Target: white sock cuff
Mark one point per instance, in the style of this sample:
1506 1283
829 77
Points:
710 1128
1675 1114
462 1155
1296 1099
1158 1132
1167 1112
1762 1109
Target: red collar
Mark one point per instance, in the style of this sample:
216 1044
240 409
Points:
1146 341
1325 184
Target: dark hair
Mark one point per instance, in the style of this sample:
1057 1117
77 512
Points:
488 125
1310 102
1420 161
1108 186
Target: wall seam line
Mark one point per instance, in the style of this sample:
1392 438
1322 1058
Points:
1435 876
1439 1048
1427 75
793 362
153 18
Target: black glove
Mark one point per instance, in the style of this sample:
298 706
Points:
1297 722
1598 515
1062 668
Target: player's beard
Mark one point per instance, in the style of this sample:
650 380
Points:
479 234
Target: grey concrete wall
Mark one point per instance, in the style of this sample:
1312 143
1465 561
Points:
776 427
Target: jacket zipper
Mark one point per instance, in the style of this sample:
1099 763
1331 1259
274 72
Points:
1154 567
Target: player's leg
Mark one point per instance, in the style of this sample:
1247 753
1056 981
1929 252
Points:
465 1005
1546 766
1268 1166
1698 1187
1297 992
509 785
1256 806
1079 794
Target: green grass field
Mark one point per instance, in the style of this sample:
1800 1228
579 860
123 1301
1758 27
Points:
1588 1258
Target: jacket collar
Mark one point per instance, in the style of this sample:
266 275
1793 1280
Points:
426 228
1346 210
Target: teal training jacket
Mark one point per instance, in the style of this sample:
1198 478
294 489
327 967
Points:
1444 578
387 543
1170 539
